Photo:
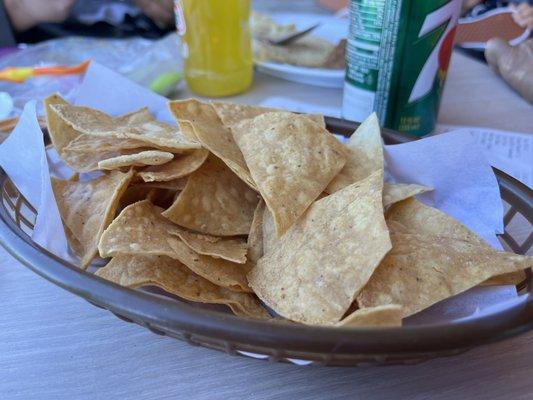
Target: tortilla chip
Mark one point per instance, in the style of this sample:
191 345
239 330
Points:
291 159
422 270
324 260
212 134
61 134
419 218
83 152
136 117
160 135
364 155
380 316
396 192
231 249
215 202
177 168
92 144
149 157
255 238
175 278
230 113
87 208
308 51
141 230
96 123
512 278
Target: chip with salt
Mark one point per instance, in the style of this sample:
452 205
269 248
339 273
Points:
419 218
96 123
231 114
83 152
87 208
322 262
61 134
136 271
211 132
364 155
215 201
381 316
141 230
291 159
422 270
179 167
147 157
425 220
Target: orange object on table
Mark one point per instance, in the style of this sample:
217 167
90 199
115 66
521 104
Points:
20 74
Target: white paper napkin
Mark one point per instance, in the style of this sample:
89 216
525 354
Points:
23 157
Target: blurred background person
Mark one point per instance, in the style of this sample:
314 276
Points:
31 21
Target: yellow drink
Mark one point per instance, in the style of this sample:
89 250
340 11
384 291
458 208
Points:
217 46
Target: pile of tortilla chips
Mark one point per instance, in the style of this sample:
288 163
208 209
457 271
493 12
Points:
248 206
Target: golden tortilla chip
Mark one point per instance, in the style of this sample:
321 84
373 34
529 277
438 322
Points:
512 278
160 135
96 123
177 168
141 230
324 260
291 159
148 157
87 208
212 134
364 155
61 134
422 270
417 217
396 192
175 278
215 201
83 152
93 144
380 316
231 249
231 113
255 238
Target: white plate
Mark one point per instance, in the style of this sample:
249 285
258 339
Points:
331 78
332 29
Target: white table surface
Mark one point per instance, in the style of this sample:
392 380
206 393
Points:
54 345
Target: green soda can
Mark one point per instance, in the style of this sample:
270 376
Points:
396 61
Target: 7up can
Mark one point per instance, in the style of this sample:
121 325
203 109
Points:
396 60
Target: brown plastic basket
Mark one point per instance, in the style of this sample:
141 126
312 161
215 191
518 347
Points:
278 341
